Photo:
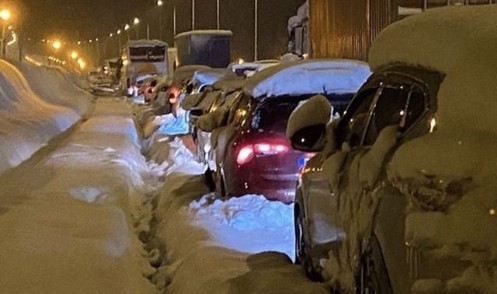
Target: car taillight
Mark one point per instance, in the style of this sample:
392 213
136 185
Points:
247 152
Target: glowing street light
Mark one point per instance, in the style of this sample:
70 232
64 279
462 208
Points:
160 3
4 16
126 28
56 44
74 54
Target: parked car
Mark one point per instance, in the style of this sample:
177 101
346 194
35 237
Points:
251 152
401 196
205 114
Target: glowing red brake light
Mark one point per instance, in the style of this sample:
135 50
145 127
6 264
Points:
247 152
270 149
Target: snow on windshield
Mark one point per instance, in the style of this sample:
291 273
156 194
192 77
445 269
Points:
308 76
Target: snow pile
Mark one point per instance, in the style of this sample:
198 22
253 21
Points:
308 76
63 88
27 120
239 245
69 223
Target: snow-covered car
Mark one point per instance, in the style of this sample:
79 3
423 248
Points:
252 154
204 117
404 197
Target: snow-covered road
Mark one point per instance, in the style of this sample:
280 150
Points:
89 214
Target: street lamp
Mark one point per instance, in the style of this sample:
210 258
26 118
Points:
56 44
5 16
126 28
136 22
74 55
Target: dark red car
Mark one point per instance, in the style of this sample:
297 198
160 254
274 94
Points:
252 153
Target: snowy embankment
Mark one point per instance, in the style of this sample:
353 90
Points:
34 112
70 217
240 245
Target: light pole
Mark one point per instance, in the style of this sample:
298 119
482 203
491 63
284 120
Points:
136 22
160 3
118 32
217 13
5 16
174 19
255 30
193 15
126 28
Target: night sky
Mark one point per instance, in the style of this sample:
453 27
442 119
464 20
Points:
79 20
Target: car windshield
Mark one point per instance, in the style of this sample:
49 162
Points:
273 113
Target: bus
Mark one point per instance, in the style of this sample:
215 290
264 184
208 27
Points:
142 59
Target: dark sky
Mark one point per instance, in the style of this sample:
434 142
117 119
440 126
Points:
76 20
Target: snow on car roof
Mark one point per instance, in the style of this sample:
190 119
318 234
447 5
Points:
205 32
307 77
459 41
210 76
145 42
184 73
228 85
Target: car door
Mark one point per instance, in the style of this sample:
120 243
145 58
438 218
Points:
388 106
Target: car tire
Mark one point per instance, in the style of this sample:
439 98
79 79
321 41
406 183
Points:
373 275
210 179
301 252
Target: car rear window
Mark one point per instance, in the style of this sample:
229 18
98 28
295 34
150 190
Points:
272 113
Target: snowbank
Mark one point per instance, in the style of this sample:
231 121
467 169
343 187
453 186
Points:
72 225
239 245
31 116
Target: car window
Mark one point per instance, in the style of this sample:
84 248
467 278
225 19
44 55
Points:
375 108
238 109
355 119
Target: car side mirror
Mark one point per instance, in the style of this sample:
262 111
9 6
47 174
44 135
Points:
306 128
310 138
194 113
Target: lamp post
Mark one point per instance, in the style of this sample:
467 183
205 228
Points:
136 22
5 16
174 19
118 32
217 13
56 45
255 29
193 15
160 3
126 28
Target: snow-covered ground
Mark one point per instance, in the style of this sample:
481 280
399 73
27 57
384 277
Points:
82 211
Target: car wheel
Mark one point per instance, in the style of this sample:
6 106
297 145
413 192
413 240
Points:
210 180
301 253
373 276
